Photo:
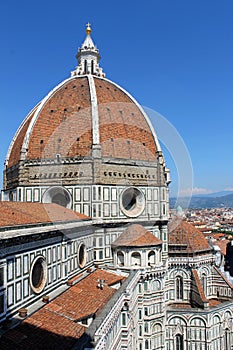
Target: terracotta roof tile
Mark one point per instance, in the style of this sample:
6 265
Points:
85 298
222 245
186 238
26 213
199 286
136 236
55 325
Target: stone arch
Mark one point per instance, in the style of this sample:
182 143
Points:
227 314
201 321
151 257
157 335
227 338
156 285
120 258
177 330
177 319
178 271
227 319
136 259
204 283
216 331
179 287
197 331
205 269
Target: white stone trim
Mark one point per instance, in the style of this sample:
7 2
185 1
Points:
17 133
41 105
94 111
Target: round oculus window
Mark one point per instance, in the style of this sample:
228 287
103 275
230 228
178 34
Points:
82 256
132 202
58 195
38 274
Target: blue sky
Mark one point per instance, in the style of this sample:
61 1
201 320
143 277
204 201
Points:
175 57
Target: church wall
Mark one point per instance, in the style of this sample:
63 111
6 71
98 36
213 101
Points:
99 201
60 255
199 329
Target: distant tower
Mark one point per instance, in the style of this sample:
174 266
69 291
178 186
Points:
179 211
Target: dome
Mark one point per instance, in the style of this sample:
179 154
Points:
79 113
84 113
184 238
88 146
136 236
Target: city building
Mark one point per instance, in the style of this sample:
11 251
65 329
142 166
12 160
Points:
88 257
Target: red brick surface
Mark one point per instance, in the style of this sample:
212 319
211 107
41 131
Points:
124 132
64 125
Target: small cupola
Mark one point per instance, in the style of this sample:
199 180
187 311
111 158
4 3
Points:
137 248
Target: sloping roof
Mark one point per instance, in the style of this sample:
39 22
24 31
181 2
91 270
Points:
136 236
55 325
185 238
27 213
200 289
222 244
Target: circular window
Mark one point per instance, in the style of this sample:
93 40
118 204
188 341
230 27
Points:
82 255
38 274
132 202
58 195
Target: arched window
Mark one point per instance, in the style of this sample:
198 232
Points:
146 327
85 67
92 67
216 332
227 339
197 333
58 195
156 285
136 259
179 342
11 196
204 283
157 335
151 258
179 288
120 259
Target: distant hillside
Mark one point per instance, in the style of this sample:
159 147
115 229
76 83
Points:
214 194
204 202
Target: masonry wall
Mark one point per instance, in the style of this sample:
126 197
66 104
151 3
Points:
60 252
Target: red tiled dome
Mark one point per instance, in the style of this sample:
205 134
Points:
136 236
62 123
186 238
